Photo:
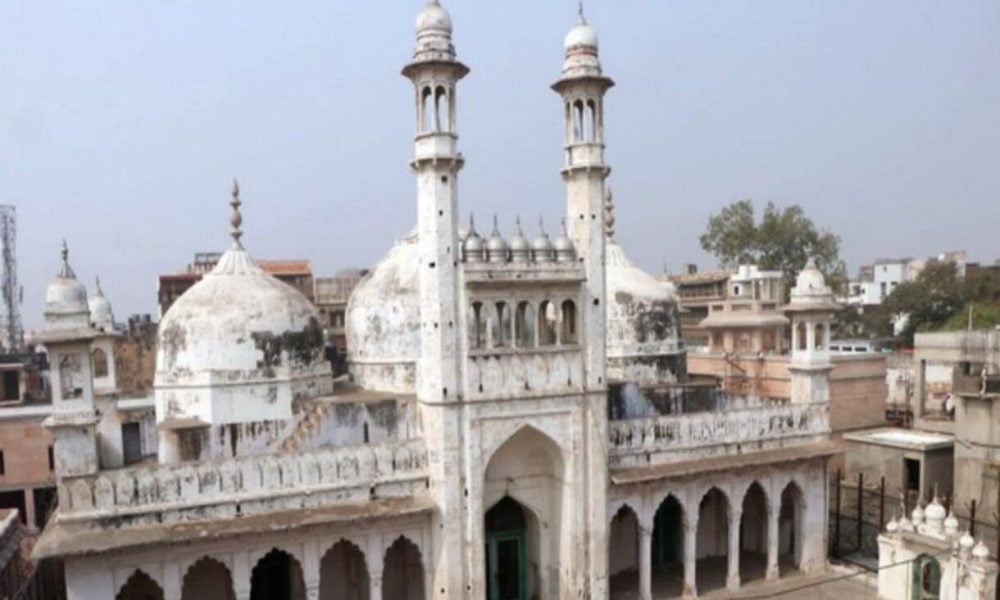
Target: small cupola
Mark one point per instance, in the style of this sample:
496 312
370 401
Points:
472 245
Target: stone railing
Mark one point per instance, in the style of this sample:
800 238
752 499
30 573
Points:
246 485
684 433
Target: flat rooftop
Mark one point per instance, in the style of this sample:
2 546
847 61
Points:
907 439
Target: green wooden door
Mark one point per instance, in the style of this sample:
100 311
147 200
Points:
505 566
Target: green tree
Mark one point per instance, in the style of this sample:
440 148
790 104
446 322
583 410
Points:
928 301
783 240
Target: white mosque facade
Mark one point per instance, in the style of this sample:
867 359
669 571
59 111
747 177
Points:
514 425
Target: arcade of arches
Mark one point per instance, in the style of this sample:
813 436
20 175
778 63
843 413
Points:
741 533
343 574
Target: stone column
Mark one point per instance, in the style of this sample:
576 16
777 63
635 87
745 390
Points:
772 540
918 388
645 563
311 569
733 574
242 575
171 581
376 588
690 557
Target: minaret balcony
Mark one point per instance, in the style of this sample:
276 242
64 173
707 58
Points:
585 155
435 145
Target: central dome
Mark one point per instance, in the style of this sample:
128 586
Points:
238 323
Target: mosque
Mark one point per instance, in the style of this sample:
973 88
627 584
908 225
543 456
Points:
515 424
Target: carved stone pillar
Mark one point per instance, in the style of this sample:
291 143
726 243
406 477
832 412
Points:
772 540
376 588
733 573
690 557
645 563
171 581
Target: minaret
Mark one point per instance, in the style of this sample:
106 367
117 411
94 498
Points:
811 311
435 72
67 338
582 87
436 162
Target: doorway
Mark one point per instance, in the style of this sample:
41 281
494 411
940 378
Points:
506 573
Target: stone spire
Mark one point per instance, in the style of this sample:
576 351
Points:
97 287
236 219
66 271
609 215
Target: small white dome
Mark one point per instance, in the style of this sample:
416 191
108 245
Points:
520 249
541 247
981 551
66 304
473 249
810 279
100 310
966 542
434 17
917 516
892 526
951 524
563 246
582 34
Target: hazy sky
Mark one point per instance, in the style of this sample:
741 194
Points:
122 123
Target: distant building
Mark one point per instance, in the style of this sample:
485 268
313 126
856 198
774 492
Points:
296 273
332 294
876 281
697 292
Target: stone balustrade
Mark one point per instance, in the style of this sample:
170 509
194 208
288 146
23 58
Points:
678 436
245 485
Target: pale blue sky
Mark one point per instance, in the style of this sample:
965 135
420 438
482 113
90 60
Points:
123 121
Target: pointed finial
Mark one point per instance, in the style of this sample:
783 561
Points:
564 230
579 12
496 225
236 219
517 223
541 225
609 215
472 222
66 271
97 283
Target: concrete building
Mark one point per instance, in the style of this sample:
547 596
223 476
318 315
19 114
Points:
332 294
512 428
697 292
876 281
750 318
918 463
296 273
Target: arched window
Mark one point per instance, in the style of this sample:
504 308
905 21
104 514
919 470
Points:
524 325
477 326
140 587
591 121
569 326
425 110
569 123
800 333
440 109
501 326
820 337
71 376
451 109
547 324
100 358
578 130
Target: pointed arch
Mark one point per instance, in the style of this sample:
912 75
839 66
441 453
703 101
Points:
403 571
753 533
527 469
100 361
712 543
140 586
667 547
207 579
790 531
277 576
623 550
343 573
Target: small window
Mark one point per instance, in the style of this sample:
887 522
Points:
3 466
52 459
912 468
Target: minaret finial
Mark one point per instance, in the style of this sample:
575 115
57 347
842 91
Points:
97 282
609 214
472 222
496 225
579 11
236 219
541 225
66 271
517 221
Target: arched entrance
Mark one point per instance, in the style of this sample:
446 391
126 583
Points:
523 522
926 578
140 587
753 534
790 528
668 548
712 542
343 574
623 553
208 579
403 573
277 576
